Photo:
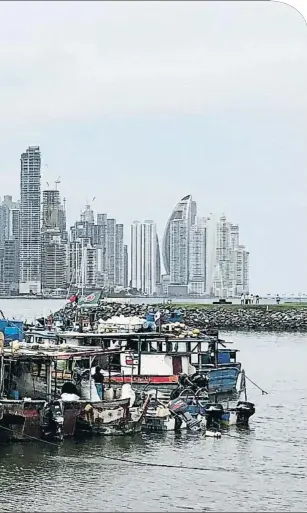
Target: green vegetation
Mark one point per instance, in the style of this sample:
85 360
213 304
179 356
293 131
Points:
236 306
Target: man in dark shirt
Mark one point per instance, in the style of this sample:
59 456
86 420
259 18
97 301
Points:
98 377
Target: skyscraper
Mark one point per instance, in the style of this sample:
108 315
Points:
30 221
136 255
158 265
53 241
176 241
119 255
82 264
197 257
232 265
144 257
241 269
9 245
211 236
126 266
51 209
111 223
100 240
9 219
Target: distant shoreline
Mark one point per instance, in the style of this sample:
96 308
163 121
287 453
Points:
182 302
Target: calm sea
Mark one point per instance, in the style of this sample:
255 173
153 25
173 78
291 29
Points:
262 469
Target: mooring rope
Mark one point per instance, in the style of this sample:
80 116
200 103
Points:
123 460
31 437
255 384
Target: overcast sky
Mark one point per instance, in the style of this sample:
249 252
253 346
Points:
142 103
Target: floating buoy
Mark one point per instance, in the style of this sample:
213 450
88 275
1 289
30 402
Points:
213 434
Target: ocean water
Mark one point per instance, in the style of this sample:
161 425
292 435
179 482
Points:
262 469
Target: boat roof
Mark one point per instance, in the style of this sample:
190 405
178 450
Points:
53 353
121 335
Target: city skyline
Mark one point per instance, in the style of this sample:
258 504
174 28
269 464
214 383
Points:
39 253
213 105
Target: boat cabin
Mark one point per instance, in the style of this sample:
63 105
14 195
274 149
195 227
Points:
147 356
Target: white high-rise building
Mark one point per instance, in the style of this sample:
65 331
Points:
100 240
30 221
82 264
179 252
9 219
211 237
111 223
176 241
197 257
9 245
136 255
241 269
144 257
232 267
87 215
119 255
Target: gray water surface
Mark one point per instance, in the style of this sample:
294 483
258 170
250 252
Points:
260 469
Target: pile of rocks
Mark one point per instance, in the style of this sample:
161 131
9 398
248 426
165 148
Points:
230 318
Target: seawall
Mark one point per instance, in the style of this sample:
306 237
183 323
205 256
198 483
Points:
227 318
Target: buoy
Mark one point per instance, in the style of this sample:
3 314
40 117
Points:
213 434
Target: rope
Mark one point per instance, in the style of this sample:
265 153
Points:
123 460
148 463
160 465
255 384
31 437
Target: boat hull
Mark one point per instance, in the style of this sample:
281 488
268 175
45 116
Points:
24 422
109 418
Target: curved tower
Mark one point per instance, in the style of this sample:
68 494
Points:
175 247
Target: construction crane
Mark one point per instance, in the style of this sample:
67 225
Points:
57 182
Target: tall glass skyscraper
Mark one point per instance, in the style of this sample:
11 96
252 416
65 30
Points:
30 221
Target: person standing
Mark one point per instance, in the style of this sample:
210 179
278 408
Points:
98 377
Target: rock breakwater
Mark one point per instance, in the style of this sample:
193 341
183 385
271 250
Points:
227 318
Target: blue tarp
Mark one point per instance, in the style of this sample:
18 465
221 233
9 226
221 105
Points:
12 330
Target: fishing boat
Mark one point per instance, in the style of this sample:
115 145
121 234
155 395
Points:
216 414
154 359
189 407
41 397
175 415
25 420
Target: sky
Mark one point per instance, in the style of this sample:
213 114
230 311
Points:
141 103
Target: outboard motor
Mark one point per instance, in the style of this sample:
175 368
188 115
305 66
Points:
53 421
244 410
213 413
179 409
